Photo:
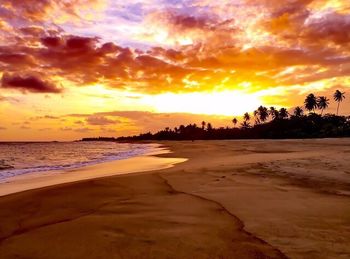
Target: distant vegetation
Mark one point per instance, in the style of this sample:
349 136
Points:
266 123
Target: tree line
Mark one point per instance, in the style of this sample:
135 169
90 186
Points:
311 104
266 122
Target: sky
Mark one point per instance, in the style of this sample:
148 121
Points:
79 68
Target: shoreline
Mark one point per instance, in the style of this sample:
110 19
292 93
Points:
136 164
268 199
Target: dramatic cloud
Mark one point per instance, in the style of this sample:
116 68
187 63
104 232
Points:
331 27
196 45
28 84
99 52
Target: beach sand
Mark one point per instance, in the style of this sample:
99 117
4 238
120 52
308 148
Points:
230 199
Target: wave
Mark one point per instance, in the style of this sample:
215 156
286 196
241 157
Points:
8 171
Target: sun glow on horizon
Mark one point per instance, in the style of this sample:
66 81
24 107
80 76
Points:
211 103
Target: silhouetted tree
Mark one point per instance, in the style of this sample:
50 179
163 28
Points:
298 111
234 121
246 117
203 125
256 117
245 124
338 97
273 113
283 113
209 127
262 113
322 103
310 102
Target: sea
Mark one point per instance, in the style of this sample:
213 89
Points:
19 158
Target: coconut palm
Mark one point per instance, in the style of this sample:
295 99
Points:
310 102
234 121
256 117
262 113
322 103
338 97
246 117
209 127
283 113
298 111
245 124
273 113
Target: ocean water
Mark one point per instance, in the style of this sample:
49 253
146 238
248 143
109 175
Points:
23 158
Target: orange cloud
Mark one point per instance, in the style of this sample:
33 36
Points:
43 10
219 54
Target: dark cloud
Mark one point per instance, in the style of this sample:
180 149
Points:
332 27
79 43
16 59
51 42
28 84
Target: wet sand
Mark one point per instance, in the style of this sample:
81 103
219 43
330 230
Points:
119 167
230 199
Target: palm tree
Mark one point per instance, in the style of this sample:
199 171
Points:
338 97
209 127
283 113
262 113
246 117
256 117
298 111
203 124
310 102
234 121
273 113
322 103
245 124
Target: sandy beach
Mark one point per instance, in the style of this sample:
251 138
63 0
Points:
229 199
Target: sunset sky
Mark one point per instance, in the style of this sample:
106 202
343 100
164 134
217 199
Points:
78 68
